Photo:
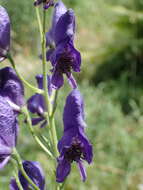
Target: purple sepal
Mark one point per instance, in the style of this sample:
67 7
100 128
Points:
65 27
13 185
8 131
4 33
74 145
36 103
11 86
64 59
46 3
34 171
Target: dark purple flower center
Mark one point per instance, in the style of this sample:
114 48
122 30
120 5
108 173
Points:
64 63
75 152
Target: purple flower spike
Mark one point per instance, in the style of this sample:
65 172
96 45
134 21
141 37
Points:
11 87
8 131
46 3
64 57
36 103
74 145
4 33
34 171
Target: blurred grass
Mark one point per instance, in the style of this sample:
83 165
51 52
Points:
109 36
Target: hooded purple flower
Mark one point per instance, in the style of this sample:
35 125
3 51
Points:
8 131
11 97
4 33
11 87
34 171
36 103
64 57
74 145
46 3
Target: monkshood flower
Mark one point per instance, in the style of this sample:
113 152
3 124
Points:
11 98
4 33
8 131
64 57
11 87
46 3
34 171
36 103
74 145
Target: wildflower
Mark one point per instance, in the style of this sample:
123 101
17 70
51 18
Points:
11 97
4 33
36 103
11 87
34 171
46 3
8 131
64 57
74 145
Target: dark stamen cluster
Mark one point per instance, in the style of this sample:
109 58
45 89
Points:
75 152
64 63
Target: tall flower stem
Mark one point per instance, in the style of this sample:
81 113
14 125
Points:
44 64
36 90
26 112
39 22
47 99
16 156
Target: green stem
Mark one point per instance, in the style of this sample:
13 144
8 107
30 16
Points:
15 174
44 64
20 165
17 181
54 136
37 90
39 22
26 112
47 99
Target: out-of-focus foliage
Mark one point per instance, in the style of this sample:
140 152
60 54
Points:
117 141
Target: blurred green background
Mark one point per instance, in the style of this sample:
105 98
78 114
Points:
110 38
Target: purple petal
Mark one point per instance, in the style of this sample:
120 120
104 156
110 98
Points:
65 28
36 104
34 171
57 79
63 170
39 79
13 185
59 10
76 58
49 38
38 2
82 170
8 123
3 161
73 111
87 150
11 86
66 57
4 33
71 80
49 53
50 3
